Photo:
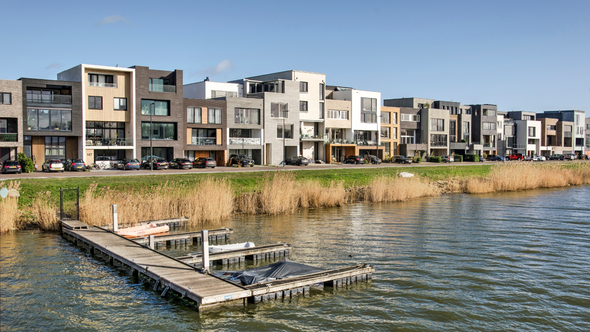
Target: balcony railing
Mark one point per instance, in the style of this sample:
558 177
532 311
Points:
244 141
313 137
8 137
163 88
109 141
102 85
438 143
49 99
365 143
204 141
567 134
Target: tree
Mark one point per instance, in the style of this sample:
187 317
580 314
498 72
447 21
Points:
26 163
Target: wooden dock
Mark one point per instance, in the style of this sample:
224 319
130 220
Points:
268 252
170 276
188 238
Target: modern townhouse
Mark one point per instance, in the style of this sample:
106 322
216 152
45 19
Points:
556 137
366 119
411 144
11 119
575 116
484 127
206 124
53 126
160 113
108 116
500 140
338 128
527 132
435 130
587 152
390 117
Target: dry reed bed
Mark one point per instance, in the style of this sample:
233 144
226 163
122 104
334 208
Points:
280 192
9 212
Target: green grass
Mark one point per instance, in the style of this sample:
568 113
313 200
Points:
241 181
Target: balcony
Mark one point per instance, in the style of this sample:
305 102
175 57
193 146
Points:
567 134
315 138
90 141
163 88
8 137
458 145
102 85
438 144
244 141
204 141
49 99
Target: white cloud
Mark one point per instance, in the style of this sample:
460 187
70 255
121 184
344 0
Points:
223 66
114 19
53 65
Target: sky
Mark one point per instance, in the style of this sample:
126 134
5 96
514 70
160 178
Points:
519 55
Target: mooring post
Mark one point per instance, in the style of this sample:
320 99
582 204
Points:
151 242
115 220
205 237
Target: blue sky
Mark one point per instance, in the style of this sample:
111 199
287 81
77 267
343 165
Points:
520 55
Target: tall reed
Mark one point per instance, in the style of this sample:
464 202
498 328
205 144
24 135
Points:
9 212
45 212
396 189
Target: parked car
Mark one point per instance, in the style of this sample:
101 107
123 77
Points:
527 158
354 160
11 166
75 165
516 156
240 160
159 163
204 162
298 161
128 164
569 156
52 165
539 158
447 159
556 157
181 163
495 157
373 159
401 160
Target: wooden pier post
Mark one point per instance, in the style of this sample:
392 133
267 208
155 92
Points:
205 237
151 242
115 219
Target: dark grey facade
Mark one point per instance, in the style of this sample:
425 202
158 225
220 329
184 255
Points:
205 138
160 86
484 126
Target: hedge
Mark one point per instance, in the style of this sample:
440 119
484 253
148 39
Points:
471 157
434 159
458 158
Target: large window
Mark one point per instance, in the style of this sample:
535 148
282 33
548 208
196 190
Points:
408 136
247 116
487 112
532 131
302 86
288 130
214 116
161 85
453 130
303 106
322 91
489 126
105 133
101 80
55 147
411 117
94 103
438 140
368 110
394 133
204 136
385 118
160 131
120 104
5 98
49 120
193 115
337 115
394 118
223 94
155 107
385 132
278 110
437 124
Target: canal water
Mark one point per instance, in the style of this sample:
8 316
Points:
496 262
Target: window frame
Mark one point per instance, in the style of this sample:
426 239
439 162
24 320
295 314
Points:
3 98
303 106
303 86
93 103
117 104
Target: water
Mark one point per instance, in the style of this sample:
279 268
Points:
515 261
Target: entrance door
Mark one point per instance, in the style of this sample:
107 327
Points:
268 154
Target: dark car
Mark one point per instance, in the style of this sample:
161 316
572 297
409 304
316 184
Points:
181 163
240 160
402 160
159 163
297 160
128 164
373 159
75 165
495 157
556 157
11 166
354 160
204 162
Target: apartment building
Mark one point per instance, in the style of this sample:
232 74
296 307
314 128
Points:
435 130
108 111
53 125
527 132
390 118
11 119
556 136
205 123
587 152
484 127
160 113
578 130
411 143
338 128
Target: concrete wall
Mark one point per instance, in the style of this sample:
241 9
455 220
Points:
202 90
339 105
407 102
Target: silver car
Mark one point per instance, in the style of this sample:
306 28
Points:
54 165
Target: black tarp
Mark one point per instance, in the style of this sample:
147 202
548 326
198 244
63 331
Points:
280 270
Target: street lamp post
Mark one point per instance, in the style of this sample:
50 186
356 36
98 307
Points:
285 114
151 134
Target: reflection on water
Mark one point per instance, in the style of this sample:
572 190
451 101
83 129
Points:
511 261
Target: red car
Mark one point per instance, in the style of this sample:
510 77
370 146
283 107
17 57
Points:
516 156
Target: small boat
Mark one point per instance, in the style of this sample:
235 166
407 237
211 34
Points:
143 230
227 247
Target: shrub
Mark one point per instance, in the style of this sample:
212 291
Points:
458 158
26 163
417 160
434 159
471 157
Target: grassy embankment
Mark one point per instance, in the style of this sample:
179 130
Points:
214 197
